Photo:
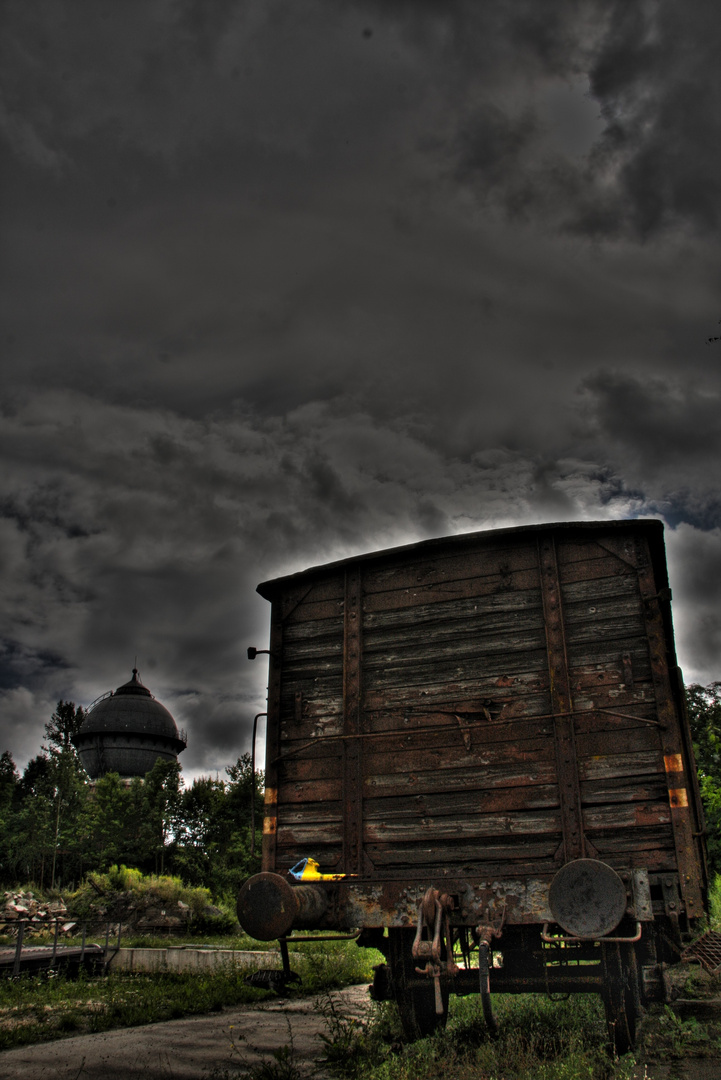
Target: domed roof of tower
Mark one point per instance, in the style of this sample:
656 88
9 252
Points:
126 731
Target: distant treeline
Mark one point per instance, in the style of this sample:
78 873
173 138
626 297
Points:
54 827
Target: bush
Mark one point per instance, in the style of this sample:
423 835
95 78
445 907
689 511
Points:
127 895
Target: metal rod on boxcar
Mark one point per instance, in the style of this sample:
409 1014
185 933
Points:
252 782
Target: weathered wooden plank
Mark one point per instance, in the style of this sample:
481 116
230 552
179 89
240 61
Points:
590 633
322 686
640 764
315 611
299 791
622 789
477 561
416 782
610 680
628 740
605 609
477 826
488 660
327 585
382 760
648 839
311 813
586 549
405 599
462 613
330 629
468 694
455 639
309 668
293 734
627 816
602 653
514 850
592 589
308 835
454 646
481 731
500 800
321 767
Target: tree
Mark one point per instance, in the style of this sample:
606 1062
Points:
704 713
69 781
62 727
162 800
9 799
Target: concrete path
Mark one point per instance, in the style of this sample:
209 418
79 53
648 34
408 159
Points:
187 1049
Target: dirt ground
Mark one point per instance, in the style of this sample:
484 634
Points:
194 1048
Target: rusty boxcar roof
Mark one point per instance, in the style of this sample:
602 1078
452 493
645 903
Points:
653 527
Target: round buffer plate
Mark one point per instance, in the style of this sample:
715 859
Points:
587 898
266 906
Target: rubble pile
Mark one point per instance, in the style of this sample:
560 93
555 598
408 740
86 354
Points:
141 913
39 916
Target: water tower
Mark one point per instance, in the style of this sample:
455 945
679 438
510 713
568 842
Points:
126 731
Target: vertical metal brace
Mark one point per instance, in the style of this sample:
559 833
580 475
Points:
561 702
352 761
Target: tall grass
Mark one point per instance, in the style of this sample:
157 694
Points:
538 1039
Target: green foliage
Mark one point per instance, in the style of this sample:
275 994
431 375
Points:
714 901
55 826
538 1040
42 1008
121 886
704 713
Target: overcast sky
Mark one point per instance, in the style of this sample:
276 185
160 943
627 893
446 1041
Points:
285 282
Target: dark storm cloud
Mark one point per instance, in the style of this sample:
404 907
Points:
694 557
649 75
664 434
262 310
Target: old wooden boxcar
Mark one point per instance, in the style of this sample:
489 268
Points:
479 744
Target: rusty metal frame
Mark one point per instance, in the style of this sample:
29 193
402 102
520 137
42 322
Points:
574 846
552 939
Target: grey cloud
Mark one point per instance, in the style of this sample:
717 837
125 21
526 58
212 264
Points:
694 557
262 311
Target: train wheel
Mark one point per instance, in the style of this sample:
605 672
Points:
416 1004
621 995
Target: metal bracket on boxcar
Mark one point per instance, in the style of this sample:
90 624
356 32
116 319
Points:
434 910
484 934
